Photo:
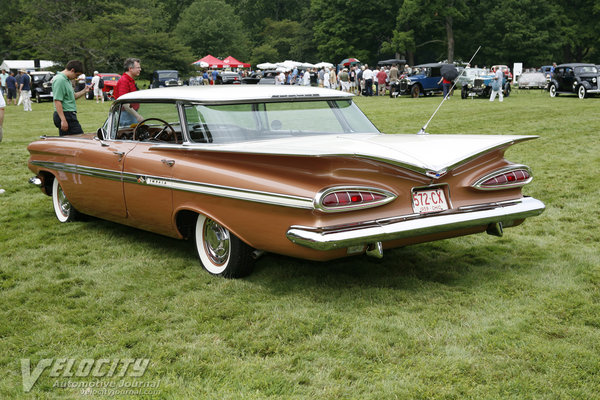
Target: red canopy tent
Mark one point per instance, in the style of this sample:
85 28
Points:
232 62
212 62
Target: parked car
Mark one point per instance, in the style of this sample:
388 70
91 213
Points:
546 70
481 84
578 78
252 79
268 77
425 81
41 85
110 82
292 170
228 78
165 78
505 70
532 80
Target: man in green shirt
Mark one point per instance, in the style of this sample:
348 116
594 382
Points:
65 116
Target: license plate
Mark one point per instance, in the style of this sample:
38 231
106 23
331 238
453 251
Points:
430 200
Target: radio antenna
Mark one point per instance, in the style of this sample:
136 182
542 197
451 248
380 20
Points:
422 131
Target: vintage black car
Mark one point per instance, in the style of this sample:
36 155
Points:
228 78
575 78
165 78
41 85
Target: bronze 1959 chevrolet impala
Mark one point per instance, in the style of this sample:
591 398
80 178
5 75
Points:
298 171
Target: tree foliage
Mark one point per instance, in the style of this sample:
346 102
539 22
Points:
212 27
174 33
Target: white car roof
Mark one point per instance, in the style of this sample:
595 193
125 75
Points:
234 93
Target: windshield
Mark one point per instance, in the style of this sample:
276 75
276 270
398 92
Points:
586 70
167 75
39 78
247 122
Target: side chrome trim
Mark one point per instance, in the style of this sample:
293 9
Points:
256 196
342 236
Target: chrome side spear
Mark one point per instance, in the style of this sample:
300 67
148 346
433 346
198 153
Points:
422 131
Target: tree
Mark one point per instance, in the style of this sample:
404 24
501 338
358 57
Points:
208 32
426 22
62 30
524 31
345 28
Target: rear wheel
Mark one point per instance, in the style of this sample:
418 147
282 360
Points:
581 92
64 210
220 251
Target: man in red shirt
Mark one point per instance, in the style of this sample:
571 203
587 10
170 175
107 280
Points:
381 81
126 85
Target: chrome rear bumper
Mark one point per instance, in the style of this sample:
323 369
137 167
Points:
368 232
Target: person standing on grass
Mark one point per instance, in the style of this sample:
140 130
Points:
25 89
96 87
3 77
65 114
11 88
497 85
2 105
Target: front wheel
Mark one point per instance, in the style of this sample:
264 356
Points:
552 90
507 90
581 92
220 251
64 210
415 91
464 92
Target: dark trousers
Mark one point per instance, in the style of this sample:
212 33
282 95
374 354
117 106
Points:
369 86
74 126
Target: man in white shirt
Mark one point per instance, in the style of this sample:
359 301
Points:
97 89
368 78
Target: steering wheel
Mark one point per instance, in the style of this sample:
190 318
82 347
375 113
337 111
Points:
170 134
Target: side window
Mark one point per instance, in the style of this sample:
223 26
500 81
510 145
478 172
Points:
196 124
160 122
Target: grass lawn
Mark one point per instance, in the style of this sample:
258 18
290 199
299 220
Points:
477 317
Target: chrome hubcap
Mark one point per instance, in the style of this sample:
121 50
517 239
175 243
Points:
216 242
65 206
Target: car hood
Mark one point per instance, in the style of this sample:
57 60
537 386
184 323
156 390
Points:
433 155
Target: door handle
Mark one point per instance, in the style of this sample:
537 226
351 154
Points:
120 154
168 163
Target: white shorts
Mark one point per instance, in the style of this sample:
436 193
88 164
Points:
97 91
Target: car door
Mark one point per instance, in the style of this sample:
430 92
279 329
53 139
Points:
147 185
99 174
148 170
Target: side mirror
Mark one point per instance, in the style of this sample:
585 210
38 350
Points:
100 133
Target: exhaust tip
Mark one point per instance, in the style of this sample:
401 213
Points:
495 229
375 250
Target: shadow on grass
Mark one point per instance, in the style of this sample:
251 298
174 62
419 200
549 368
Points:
465 261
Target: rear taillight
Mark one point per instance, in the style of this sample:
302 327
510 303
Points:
350 198
513 176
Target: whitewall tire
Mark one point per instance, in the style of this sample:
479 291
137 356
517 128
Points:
64 210
220 251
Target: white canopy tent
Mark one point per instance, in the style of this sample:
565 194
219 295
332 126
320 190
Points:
266 65
28 65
